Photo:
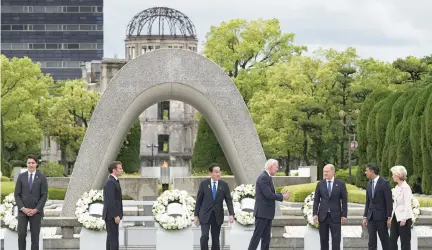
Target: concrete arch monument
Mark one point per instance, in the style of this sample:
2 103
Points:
166 74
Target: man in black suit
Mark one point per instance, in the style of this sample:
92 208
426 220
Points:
209 210
31 193
113 205
265 206
378 210
330 208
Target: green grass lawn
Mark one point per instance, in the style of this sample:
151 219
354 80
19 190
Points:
8 187
355 195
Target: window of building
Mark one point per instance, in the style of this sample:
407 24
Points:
99 46
53 46
38 9
71 46
99 27
163 142
37 46
5 27
150 48
169 47
85 9
71 27
157 47
143 49
53 64
53 27
19 46
53 9
163 110
18 27
72 64
71 9
87 46
99 9
38 27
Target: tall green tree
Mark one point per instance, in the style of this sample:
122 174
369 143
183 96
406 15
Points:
382 119
68 115
415 67
426 145
129 153
245 50
24 87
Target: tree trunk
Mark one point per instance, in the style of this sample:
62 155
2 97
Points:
63 149
305 149
342 146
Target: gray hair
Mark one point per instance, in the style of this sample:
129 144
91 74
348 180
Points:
400 171
269 163
332 167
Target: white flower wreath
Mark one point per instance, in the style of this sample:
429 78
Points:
7 212
82 210
170 222
415 204
245 218
307 210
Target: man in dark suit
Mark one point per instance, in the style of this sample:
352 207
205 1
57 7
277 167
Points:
113 205
378 210
265 206
209 210
330 208
31 193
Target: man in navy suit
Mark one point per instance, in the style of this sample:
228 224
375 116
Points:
113 205
265 206
330 208
378 209
209 210
31 193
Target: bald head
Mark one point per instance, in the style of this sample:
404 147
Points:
329 171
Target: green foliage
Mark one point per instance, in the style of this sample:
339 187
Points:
129 153
207 149
396 116
56 193
67 114
362 122
6 169
371 131
23 89
381 123
5 179
426 145
343 174
51 169
361 179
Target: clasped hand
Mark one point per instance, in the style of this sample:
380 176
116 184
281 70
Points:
29 211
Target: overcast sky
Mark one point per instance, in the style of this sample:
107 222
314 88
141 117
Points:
383 29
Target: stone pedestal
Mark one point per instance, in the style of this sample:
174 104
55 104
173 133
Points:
414 241
240 236
312 239
91 240
11 240
174 239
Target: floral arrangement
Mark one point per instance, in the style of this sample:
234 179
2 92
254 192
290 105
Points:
245 218
6 212
82 210
415 204
167 221
307 210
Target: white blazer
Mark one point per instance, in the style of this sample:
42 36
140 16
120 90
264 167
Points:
402 202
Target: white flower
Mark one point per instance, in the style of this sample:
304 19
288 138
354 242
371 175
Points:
82 212
169 222
307 210
243 191
6 211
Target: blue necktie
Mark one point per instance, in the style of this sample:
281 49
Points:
214 190
329 188
373 189
30 181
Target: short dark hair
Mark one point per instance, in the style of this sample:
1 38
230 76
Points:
32 157
113 165
374 167
213 165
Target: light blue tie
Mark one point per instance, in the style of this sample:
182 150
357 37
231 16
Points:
373 189
214 190
329 188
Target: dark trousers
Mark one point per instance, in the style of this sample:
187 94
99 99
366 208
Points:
262 232
215 233
404 232
327 226
112 242
379 226
35 225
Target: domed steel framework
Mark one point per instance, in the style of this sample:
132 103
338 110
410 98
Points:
178 23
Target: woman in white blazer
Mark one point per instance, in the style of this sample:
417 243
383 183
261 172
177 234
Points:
402 210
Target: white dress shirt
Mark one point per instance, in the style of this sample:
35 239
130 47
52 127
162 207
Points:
331 184
115 177
212 182
402 208
33 176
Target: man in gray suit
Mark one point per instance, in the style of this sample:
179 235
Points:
31 193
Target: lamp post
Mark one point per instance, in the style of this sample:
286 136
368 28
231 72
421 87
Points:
152 146
349 127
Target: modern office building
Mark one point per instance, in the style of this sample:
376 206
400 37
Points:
60 35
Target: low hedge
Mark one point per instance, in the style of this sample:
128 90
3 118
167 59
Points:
343 175
5 179
355 195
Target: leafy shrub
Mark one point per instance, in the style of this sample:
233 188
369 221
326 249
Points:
52 169
343 174
56 193
5 179
6 169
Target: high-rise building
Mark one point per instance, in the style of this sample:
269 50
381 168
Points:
60 35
